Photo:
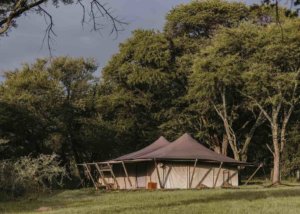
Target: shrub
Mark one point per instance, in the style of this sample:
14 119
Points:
28 174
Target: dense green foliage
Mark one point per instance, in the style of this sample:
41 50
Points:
31 174
50 107
219 71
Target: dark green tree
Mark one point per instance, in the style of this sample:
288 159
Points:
52 108
138 84
272 81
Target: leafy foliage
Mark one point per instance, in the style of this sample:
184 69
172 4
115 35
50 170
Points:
28 174
217 71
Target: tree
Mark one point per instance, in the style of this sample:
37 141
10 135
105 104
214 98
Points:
216 82
52 108
202 18
191 28
137 85
250 74
28 98
272 81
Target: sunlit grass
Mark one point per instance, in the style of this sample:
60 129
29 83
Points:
251 199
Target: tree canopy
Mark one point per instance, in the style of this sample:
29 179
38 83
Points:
223 71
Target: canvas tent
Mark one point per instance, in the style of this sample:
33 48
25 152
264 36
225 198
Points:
182 164
158 144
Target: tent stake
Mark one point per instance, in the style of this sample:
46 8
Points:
158 175
192 177
219 170
90 175
250 178
126 173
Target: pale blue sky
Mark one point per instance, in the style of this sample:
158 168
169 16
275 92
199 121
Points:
24 43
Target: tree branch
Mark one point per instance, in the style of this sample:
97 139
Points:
19 8
270 150
117 24
49 30
259 121
260 107
96 8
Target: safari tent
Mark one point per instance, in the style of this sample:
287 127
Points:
182 164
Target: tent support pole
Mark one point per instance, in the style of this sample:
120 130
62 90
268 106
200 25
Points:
230 177
101 175
158 175
80 178
219 170
90 175
126 173
192 177
250 178
204 176
166 176
113 175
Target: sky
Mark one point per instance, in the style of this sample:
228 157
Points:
24 43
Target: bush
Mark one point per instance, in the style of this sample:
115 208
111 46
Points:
28 174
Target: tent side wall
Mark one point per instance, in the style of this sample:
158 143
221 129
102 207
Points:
173 175
138 175
176 175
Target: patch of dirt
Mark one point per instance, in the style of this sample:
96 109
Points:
44 209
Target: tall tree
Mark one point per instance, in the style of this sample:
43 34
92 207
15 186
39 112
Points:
138 84
191 28
52 108
29 97
249 73
216 82
272 81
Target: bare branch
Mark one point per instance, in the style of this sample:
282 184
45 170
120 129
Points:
259 121
83 12
97 10
270 150
218 111
259 106
49 32
97 7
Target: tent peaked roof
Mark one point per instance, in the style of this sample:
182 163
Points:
158 144
185 148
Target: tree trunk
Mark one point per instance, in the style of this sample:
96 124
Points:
215 143
232 142
276 170
231 136
276 155
224 145
217 149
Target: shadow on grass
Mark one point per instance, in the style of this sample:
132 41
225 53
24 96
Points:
227 196
246 195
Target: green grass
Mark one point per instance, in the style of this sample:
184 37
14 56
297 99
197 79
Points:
252 199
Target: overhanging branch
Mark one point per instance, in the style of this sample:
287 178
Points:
19 8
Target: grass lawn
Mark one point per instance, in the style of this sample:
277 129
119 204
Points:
252 199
